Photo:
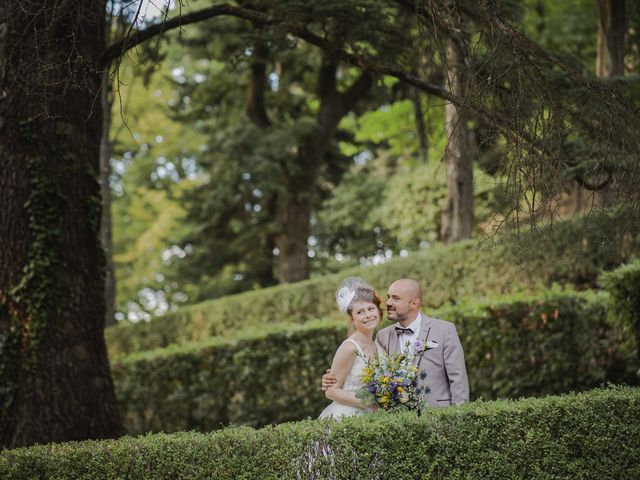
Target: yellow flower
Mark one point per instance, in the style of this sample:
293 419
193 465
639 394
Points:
400 389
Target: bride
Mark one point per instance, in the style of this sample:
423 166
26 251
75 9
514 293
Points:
362 304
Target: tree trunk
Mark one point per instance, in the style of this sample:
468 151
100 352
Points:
421 128
296 204
56 382
457 216
293 219
254 103
612 26
106 230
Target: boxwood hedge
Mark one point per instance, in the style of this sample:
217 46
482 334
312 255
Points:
623 285
572 252
515 346
589 435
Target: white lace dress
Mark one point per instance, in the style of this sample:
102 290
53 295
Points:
352 383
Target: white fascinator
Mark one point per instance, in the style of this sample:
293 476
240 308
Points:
353 289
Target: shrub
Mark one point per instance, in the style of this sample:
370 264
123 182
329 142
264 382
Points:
590 435
533 346
570 253
266 378
513 347
623 285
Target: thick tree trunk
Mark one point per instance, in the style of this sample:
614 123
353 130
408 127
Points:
293 218
296 204
612 26
106 230
457 216
56 383
256 111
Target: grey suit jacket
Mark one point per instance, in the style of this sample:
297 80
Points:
444 365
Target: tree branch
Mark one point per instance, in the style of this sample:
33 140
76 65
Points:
332 50
120 47
254 103
358 89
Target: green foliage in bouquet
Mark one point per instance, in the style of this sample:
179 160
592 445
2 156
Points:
391 382
589 435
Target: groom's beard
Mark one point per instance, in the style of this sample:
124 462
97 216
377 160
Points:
395 316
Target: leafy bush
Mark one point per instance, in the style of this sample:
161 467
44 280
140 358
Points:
589 435
266 378
513 347
623 285
533 346
572 252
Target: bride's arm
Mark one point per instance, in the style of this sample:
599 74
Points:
342 362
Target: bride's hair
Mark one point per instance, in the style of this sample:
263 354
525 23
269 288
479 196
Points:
352 290
364 295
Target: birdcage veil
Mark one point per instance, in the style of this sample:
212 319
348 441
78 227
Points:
351 290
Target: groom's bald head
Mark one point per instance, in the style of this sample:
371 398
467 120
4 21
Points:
410 287
404 299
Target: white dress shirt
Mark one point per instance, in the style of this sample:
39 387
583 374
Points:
403 338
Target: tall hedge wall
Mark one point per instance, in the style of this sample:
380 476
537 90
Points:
532 346
623 285
257 380
514 347
589 435
572 252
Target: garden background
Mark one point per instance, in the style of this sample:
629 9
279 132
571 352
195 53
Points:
185 185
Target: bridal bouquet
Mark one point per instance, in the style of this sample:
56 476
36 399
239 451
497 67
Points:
391 381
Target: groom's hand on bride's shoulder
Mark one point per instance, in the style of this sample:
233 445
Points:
328 380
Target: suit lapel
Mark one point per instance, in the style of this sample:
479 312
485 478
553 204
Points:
425 330
393 340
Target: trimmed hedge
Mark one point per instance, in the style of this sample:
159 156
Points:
572 252
555 343
264 379
623 285
590 435
513 347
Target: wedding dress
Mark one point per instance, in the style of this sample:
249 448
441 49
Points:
352 383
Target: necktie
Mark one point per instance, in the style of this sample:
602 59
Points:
400 330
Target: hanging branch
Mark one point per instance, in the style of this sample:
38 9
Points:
520 90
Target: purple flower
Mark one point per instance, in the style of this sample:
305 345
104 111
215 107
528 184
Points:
418 347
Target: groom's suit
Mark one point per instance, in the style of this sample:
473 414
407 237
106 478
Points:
443 361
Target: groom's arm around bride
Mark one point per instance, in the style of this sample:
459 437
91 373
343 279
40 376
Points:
442 358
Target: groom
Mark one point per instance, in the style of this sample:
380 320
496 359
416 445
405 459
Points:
443 359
